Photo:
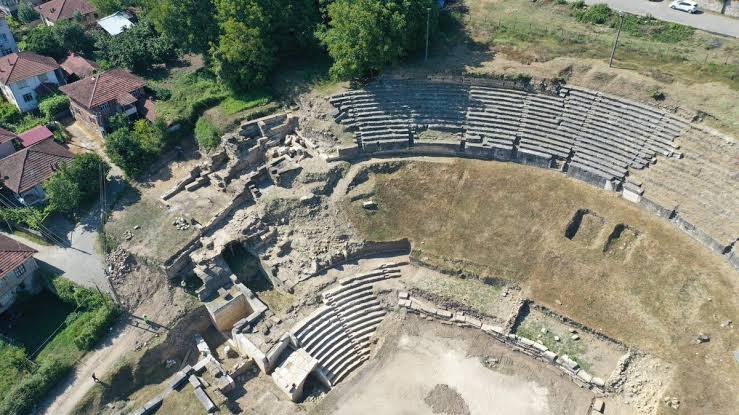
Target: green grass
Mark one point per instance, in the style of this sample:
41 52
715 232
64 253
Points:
572 348
38 317
242 102
13 366
31 237
542 31
191 93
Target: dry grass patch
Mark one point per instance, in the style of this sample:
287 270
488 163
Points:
509 222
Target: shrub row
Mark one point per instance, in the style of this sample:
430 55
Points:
25 394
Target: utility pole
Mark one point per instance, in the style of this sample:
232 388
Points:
615 42
428 22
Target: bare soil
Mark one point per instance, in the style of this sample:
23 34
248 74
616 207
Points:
506 221
417 356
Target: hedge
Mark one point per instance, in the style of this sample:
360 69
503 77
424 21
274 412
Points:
32 389
207 134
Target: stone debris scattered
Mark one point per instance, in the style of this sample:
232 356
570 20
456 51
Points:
181 223
702 338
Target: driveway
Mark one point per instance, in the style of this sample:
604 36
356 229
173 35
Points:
708 22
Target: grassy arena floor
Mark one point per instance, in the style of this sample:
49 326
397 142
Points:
655 291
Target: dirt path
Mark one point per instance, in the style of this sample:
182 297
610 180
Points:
65 396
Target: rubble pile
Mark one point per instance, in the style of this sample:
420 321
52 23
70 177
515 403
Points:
119 262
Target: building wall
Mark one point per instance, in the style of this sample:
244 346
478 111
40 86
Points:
12 284
7 41
98 118
15 92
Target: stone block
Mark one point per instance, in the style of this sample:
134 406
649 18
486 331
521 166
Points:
598 382
584 376
194 381
153 404
208 405
550 355
178 379
599 405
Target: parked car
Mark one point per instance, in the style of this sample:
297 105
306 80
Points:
685 5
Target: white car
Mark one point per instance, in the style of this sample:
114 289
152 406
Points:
685 6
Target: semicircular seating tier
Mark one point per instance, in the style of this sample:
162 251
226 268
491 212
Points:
605 140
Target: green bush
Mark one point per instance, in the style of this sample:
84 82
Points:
9 114
597 14
578 5
53 105
31 217
32 389
134 151
26 12
96 327
76 183
207 134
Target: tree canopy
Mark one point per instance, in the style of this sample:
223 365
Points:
190 24
135 150
363 36
137 49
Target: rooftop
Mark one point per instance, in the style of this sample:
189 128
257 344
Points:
77 65
12 254
6 136
112 85
35 136
23 65
56 10
24 169
115 23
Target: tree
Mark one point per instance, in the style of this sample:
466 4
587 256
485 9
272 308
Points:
58 40
107 7
76 182
364 36
137 49
26 12
62 192
245 53
135 150
190 24
42 40
73 37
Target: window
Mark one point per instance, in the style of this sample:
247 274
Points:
22 83
43 77
20 270
28 97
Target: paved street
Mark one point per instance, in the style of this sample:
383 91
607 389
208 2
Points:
661 10
79 261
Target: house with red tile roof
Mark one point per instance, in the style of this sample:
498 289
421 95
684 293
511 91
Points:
76 67
95 99
58 10
8 139
23 173
17 271
27 76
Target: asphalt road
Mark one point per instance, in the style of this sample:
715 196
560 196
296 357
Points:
661 10
79 259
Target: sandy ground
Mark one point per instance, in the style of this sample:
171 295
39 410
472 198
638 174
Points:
423 355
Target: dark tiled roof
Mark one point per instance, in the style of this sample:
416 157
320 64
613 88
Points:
12 254
55 10
26 168
23 65
6 136
77 65
105 87
35 135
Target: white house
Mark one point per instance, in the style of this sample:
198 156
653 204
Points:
24 76
17 271
7 41
9 6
